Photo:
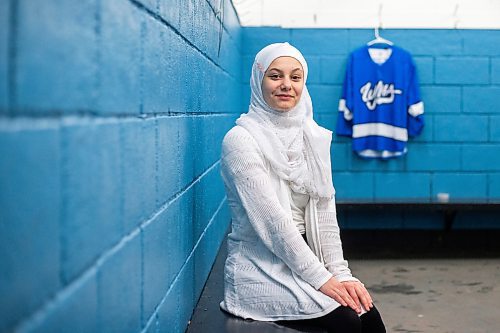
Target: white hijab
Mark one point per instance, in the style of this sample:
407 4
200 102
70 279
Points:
297 148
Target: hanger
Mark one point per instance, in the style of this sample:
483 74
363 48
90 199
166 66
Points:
378 39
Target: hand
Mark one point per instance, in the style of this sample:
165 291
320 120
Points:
340 292
359 294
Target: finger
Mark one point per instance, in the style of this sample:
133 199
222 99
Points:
338 298
355 298
365 298
354 295
336 294
345 296
368 296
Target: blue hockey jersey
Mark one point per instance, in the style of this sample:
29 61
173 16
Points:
380 104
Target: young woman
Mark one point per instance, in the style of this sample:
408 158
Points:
285 260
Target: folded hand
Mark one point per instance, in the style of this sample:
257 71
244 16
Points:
348 293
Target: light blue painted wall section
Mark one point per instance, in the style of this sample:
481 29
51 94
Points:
112 114
459 149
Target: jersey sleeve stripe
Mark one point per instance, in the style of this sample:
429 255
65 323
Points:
416 109
343 108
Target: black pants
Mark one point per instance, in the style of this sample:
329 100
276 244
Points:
343 320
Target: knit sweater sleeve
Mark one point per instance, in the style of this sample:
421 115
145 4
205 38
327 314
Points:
331 244
244 171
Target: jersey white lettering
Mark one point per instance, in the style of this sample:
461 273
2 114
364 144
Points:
380 94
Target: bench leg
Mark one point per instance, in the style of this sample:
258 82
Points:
449 218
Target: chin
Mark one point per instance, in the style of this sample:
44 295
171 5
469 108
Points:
283 108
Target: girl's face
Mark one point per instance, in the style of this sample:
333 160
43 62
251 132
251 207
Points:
283 83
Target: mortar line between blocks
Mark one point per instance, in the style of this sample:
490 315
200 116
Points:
141 66
36 318
141 237
218 17
191 254
157 17
96 93
171 200
63 202
12 56
73 118
71 287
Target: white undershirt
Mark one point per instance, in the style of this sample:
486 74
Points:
379 56
298 203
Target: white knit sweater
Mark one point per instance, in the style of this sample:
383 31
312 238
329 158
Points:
270 272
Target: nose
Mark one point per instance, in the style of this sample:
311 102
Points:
286 84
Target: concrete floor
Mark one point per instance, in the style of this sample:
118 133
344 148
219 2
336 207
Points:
434 295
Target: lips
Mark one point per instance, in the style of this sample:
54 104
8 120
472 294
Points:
284 96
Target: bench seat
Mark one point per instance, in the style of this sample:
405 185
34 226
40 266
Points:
448 209
208 317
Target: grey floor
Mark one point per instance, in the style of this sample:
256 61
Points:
434 295
413 295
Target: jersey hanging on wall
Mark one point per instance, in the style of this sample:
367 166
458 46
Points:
380 104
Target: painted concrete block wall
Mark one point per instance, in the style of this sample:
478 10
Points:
111 117
459 150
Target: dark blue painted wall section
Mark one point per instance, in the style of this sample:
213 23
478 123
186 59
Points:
111 117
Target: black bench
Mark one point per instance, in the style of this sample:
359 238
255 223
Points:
448 209
208 317
444 242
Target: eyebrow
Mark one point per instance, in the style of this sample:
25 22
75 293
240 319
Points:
278 70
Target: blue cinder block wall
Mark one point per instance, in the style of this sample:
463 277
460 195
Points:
111 117
459 150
